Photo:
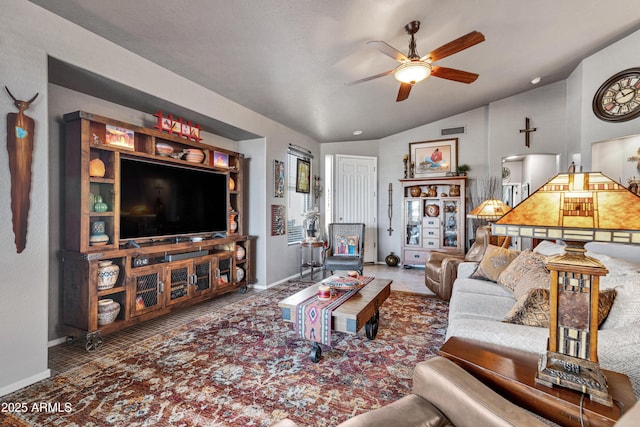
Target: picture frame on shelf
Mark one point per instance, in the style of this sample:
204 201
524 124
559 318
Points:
434 158
303 176
220 159
120 137
278 179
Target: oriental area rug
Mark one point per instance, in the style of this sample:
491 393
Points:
241 365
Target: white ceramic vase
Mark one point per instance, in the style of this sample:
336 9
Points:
107 275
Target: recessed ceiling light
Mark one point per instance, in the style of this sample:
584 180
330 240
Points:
357 132
536 80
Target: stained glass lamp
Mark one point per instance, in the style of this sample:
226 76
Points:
577 208
491 210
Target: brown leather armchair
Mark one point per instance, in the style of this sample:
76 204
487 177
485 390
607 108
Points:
441 268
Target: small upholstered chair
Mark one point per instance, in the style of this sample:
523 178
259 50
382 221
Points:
441 268
345 250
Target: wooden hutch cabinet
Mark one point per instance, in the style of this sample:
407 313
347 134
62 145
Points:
156 274
433 212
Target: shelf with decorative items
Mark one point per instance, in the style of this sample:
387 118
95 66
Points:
151 275
433 217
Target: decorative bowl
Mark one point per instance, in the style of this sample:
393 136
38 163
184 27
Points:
194 155
341 283
164 149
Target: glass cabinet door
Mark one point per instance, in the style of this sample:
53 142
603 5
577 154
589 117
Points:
413 221
450 224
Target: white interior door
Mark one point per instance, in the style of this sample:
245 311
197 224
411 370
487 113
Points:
356 199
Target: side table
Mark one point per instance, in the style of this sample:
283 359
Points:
512 372
311 255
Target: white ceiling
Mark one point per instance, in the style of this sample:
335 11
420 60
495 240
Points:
289 59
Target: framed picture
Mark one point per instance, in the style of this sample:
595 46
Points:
120 137
220 160
278 227
303 177
434 158
278 178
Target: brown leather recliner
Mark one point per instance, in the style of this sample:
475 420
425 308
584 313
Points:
445 395
441 268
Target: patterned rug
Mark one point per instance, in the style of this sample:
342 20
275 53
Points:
241 366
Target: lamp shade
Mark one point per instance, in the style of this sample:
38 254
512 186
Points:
490 210
580 207
412 72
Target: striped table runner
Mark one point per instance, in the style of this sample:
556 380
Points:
314 315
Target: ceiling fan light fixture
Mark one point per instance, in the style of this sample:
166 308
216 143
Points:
412 72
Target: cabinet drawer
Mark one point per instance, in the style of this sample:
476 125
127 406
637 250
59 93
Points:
414 257
431 243
431 222
431 233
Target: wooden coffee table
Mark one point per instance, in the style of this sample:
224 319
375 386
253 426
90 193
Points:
511 373
358 312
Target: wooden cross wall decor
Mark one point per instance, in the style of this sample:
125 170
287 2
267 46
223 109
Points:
527 130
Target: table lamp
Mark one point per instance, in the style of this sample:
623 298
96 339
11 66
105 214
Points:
576 208
491 210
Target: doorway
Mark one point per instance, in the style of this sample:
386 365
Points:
355 197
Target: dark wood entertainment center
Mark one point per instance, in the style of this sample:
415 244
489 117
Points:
156 275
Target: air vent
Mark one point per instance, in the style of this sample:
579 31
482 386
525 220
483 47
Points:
453 131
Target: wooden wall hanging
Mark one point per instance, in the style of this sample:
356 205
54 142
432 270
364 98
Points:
20 148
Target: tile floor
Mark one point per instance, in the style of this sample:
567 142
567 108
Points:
67 356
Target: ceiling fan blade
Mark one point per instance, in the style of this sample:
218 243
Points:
453 74
403 93
388 50
455 46
366 79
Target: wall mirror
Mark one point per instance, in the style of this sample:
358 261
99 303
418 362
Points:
522 175
619 159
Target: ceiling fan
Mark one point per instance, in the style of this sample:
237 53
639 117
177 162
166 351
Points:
414 69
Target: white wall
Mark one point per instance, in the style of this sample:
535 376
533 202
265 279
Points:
538 169
472 150
610 158
545 106
584 83
24 279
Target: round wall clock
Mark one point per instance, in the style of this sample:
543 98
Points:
618 99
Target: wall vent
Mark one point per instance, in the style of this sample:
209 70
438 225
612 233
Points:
453 131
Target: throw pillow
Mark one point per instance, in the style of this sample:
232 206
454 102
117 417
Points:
532 309
475 252
526 271
548 248
345 245
494 261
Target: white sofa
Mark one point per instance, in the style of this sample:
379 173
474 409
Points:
477 308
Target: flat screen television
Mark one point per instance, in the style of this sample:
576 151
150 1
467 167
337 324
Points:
158 200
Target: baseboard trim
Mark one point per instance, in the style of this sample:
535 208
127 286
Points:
25 382
286 279
56 342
